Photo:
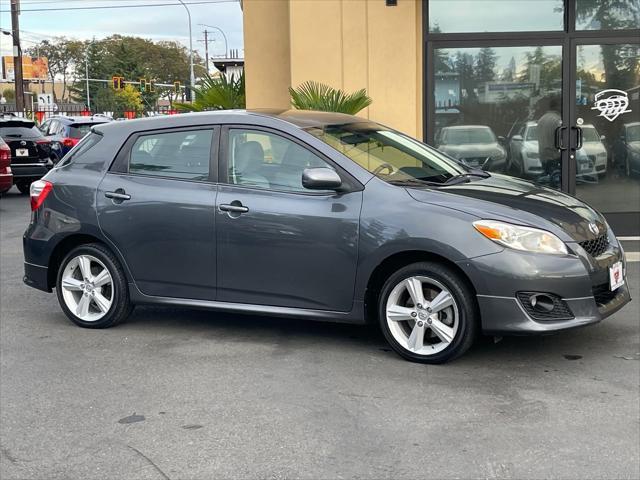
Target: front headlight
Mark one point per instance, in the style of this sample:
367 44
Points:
521 238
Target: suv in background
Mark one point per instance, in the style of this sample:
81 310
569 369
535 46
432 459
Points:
31 154
65 132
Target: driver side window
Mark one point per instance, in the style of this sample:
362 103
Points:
266 160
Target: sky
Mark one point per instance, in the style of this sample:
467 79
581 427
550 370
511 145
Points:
169 22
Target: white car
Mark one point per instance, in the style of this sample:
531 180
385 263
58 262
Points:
595 151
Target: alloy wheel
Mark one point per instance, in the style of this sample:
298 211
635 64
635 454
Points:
87 288
422 315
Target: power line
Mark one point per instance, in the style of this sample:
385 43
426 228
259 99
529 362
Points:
106 7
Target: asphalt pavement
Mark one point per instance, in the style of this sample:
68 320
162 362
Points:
186 394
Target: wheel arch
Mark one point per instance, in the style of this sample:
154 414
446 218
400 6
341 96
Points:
393 263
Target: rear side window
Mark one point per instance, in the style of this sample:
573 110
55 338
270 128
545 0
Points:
184 154
80 149
79 130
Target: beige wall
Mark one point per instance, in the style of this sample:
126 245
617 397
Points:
349 44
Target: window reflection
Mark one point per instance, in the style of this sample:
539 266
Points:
607 14
459 16
488 105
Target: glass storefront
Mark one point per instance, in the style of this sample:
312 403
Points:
549 91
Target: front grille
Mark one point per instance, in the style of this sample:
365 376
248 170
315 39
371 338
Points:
603 294
597 246
560 311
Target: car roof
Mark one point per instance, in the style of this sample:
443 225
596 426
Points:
13 119
79 119
298 118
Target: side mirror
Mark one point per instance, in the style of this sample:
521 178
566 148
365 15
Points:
501 139
321 179
517 138
602 137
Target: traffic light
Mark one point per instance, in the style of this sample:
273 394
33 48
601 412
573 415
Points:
176 87
143 85
151 86
118 83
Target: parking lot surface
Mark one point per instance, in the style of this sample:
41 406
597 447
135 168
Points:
181 394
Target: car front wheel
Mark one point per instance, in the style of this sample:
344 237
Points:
428 313
92 287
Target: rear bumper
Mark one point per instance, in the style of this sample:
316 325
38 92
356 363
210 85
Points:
36 276
30 170
6 181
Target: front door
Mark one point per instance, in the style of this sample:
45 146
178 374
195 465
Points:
156 205
280 244
606 122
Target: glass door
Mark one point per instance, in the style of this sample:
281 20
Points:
499 107
605 127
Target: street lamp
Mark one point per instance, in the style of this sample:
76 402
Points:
193 78
226 44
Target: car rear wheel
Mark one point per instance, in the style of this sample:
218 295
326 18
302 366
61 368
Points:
428 313
23 186
92 287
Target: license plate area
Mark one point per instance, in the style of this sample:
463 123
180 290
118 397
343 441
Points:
22 152
616 276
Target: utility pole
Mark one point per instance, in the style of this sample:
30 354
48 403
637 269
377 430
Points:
206 48
17 55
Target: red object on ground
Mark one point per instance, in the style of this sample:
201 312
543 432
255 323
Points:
6 177
86 113
40 116
129 114
173 112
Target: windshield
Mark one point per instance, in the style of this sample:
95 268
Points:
590 134
633 133
465 136
532 134
19 129
388 154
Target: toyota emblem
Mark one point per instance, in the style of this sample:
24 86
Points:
23 143
594 228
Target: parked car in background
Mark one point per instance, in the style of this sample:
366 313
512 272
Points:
627 149
475 146
31 154
320 216
6 177
65 132
524 156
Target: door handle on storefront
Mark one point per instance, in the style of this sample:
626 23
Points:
559 131
579 137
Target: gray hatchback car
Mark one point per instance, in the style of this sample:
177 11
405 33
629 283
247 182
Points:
319 216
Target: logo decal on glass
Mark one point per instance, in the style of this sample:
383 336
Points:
611 103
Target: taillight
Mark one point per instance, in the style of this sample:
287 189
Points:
70 142
38 192
5 155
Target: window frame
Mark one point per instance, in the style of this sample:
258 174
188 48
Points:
120 165
349 183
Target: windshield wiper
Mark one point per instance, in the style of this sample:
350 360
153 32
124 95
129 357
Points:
466 177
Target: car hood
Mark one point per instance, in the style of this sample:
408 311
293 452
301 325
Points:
473 150
593 148
634 146
500 197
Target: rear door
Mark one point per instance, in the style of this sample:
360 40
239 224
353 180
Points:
280 244
156 204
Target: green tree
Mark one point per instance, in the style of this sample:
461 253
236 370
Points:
318 96
485 65
129 99
219 93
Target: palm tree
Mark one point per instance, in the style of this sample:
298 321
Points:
318 96
220 93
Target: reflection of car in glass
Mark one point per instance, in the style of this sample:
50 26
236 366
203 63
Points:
473 145
524 156
627 150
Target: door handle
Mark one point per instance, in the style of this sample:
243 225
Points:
233 208
579 137
119 194
559 144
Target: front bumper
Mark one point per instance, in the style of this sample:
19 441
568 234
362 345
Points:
578 280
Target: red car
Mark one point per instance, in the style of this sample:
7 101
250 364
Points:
6 177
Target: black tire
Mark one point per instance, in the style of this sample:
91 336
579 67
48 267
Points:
121 305
463 296
23 186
